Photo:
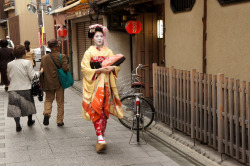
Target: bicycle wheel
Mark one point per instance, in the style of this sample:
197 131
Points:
147 112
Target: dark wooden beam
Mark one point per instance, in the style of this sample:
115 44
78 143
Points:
204 19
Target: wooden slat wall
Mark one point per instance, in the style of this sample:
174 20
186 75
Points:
14 30
212 109
145 49
80 45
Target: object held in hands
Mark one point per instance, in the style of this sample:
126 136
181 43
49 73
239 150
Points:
37 88
115 60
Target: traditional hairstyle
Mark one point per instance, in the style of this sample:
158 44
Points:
92 32
19 51
27 45
98 28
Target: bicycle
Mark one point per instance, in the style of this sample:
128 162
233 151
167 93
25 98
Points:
138 111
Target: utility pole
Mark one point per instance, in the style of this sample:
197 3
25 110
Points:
40 25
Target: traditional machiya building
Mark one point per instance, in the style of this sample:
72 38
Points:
144 48
211 36
22 25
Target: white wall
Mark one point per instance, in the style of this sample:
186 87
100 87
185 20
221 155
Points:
119 43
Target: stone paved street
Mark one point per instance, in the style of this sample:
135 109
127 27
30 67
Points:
74 144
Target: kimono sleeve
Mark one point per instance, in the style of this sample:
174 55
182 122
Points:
88 73
117 68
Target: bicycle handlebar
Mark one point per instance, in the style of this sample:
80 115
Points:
140 66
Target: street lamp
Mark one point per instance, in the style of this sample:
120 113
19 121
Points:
41 7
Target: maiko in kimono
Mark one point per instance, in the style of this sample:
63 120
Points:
100 95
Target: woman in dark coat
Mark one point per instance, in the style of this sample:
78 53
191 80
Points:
5 57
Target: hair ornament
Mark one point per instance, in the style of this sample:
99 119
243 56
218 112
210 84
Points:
104 29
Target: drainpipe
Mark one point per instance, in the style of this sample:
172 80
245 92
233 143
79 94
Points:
204 20
131 53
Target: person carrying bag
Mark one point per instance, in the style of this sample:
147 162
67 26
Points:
51 83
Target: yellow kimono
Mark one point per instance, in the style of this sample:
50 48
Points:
99 90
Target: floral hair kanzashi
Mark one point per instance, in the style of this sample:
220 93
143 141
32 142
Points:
104 29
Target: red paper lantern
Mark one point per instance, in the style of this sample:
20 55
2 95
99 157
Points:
133 27
62 32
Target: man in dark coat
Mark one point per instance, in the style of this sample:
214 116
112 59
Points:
51 83
5 57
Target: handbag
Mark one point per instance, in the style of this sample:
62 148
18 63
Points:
65 78
36 88
115 60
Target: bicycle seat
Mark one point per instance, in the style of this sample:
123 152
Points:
137 75
138 85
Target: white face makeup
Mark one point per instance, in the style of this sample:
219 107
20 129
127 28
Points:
98 39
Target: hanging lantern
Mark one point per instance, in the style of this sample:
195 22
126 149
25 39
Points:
62 32
133 27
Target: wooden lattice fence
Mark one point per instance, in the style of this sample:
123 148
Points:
212 109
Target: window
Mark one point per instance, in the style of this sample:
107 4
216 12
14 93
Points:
181 5
222 2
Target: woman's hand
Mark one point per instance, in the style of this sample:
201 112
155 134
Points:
41 70
102 70
110 68
105 70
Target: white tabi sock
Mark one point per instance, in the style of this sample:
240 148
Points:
101 139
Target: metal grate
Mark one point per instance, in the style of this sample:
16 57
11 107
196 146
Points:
181 5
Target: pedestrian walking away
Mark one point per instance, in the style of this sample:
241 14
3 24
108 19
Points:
50 82
100 95
6 56
30 53
21 73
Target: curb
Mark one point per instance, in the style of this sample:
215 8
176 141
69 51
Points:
182 144
185 151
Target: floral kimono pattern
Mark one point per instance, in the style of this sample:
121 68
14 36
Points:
100 93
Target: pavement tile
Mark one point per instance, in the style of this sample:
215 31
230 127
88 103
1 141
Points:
2 145
86 152
15 157
2 155
154 164
40 154
48 162
14 149
155 153
70 161
173 164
